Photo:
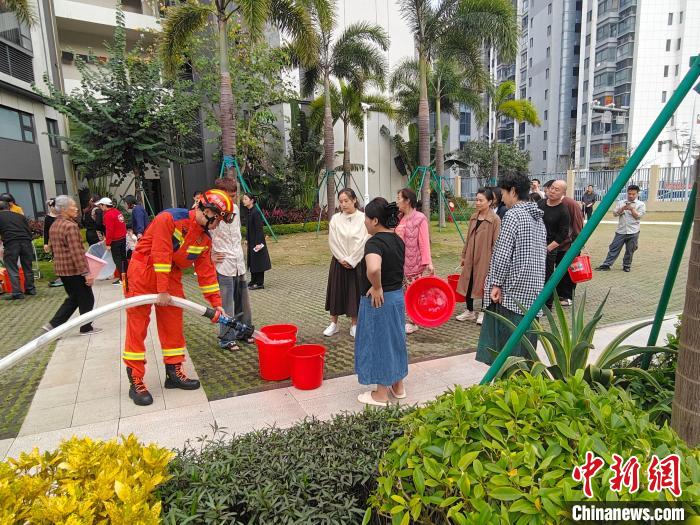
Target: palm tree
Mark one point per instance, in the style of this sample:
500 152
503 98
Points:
449 86
685 418
346 106
505 105
461 27
355 56
184 21
21 9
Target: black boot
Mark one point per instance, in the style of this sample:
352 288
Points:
176 378
138 391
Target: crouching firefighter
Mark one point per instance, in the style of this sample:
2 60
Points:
175 240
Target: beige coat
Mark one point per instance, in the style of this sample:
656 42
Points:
477 253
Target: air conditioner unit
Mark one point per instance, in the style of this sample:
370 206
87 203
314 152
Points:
67 57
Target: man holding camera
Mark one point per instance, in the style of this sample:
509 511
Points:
630 213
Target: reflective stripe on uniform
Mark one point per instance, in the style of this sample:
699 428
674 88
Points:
178 235
162 267
196 249
133 356
170 352
211 288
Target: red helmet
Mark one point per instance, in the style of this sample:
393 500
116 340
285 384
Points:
219 202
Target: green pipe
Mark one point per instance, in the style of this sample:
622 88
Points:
246 189
618 185
672 273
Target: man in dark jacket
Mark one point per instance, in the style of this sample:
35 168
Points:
139 217
17 241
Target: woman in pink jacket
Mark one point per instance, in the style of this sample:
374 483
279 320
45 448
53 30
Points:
414 231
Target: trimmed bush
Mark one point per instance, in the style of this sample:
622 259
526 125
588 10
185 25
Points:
505 453
314 472
84 482
286 229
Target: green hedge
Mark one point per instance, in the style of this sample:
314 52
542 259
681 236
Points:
314 472
286 229
505 453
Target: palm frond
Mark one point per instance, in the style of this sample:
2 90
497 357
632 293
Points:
21 9
180 24
293 18
254 14
406 72
310 79
493 22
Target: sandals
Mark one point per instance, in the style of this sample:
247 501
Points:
231 346
397 396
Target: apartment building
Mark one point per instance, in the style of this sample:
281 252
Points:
635 53
33 168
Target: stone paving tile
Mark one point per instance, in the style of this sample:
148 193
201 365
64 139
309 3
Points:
54 396
95 411
5 445
50 440
245 413
47 419
61 374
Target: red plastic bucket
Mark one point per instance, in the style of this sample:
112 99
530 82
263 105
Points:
307 366
273 358
430 301
452 280
580 269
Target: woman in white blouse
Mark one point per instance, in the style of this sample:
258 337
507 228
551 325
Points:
347 236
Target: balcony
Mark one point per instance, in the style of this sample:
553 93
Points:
99 17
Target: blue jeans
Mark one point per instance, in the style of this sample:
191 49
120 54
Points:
630 241
234 298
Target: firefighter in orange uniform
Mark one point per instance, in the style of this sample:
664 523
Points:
176 239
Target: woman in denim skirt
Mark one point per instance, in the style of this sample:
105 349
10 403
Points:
381 356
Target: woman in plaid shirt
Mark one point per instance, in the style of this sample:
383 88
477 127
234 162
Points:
70 265
516 274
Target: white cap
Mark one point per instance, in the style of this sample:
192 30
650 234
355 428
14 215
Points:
105 200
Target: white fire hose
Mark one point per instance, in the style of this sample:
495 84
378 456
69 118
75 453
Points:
44 339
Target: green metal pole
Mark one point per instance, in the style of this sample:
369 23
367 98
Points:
454 219
673 267
257 207
618 185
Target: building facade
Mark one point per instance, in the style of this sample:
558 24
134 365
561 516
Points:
33 167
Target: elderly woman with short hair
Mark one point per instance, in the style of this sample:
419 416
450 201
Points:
70 265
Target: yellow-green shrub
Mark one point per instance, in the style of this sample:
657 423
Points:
84 482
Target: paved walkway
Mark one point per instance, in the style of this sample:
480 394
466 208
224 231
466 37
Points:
84 392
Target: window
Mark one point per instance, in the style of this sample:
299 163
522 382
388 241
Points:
582 152
546 94
548 51
52 127
544 154
524 24
588 39
574 92
16 125
589 16
678 44
465 123
532 42
663 96
549 30
546 73
523 94
665 71
668 44
676 70
546 114
583 130
584 108
529 62
660 146
545 135
528 139
549 9
670 19
680 17
586 63
585 86
529 82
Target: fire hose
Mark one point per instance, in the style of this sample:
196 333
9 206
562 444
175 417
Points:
234 329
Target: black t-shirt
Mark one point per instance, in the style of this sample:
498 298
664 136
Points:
390 248
556 220
14 227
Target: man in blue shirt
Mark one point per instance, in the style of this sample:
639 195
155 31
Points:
139 217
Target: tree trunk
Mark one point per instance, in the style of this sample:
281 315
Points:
685 418
494 163
424 133
226 105
328 147
346 153
439 157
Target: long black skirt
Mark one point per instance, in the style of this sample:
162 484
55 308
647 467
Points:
343 290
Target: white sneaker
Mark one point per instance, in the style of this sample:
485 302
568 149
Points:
332 329
352 331
410 328
566 302
467 315
480 318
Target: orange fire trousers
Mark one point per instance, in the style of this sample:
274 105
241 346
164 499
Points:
141 279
